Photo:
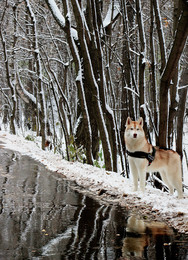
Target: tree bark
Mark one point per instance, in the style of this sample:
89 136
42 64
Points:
169 71
181 107
173 87
8 76
142 61
108 113
89 76
160 34
81 92
41 96
153 74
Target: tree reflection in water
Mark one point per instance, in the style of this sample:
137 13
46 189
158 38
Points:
42 216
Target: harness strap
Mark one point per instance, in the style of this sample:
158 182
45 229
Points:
149 156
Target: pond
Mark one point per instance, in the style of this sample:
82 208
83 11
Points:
43 216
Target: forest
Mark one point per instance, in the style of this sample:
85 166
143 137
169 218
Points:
72 71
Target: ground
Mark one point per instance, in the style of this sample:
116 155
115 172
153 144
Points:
109 187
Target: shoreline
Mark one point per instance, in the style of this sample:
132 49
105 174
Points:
107 186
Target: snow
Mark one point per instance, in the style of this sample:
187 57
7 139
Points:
134 92
74 34
117 189
26 93
79 76
56 12
108 19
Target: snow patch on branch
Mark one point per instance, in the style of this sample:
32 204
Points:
56 12
133 91
144 106
25 92
74 34
182 87
108 19
79 76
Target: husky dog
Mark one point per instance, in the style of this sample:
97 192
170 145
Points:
143 157
141 234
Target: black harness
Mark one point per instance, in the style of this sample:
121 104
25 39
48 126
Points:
149 156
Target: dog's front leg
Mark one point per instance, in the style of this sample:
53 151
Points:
142 178
134 173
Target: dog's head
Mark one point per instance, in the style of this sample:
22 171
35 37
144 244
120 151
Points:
134 129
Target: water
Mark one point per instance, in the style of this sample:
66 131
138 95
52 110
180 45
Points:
43 216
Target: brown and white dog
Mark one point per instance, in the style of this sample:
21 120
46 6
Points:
143 157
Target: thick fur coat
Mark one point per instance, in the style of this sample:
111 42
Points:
166 162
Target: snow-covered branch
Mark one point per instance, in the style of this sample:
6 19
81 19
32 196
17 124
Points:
56 13
133 91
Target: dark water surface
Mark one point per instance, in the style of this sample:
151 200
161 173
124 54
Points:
42 216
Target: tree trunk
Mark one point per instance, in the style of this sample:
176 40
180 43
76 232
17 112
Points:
142 61
41 95
169 72
181 107
79 83
108 113
10 84
173 87
89 76
160 35
153 75
172 109
180 119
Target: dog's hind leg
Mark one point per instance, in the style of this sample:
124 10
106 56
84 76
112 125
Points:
166 181
173 180
178 187
177 182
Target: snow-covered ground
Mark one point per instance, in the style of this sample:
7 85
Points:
109 186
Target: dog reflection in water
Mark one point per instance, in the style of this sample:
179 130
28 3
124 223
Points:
140 235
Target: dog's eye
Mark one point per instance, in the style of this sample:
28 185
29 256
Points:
132 128
137 129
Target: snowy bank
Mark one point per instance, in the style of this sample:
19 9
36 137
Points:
108 186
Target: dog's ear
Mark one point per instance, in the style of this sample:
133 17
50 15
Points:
128 122
140 121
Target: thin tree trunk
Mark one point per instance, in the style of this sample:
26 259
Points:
173 87
153 73
9 81
142 60
181 107
42 111
160 34
180 119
